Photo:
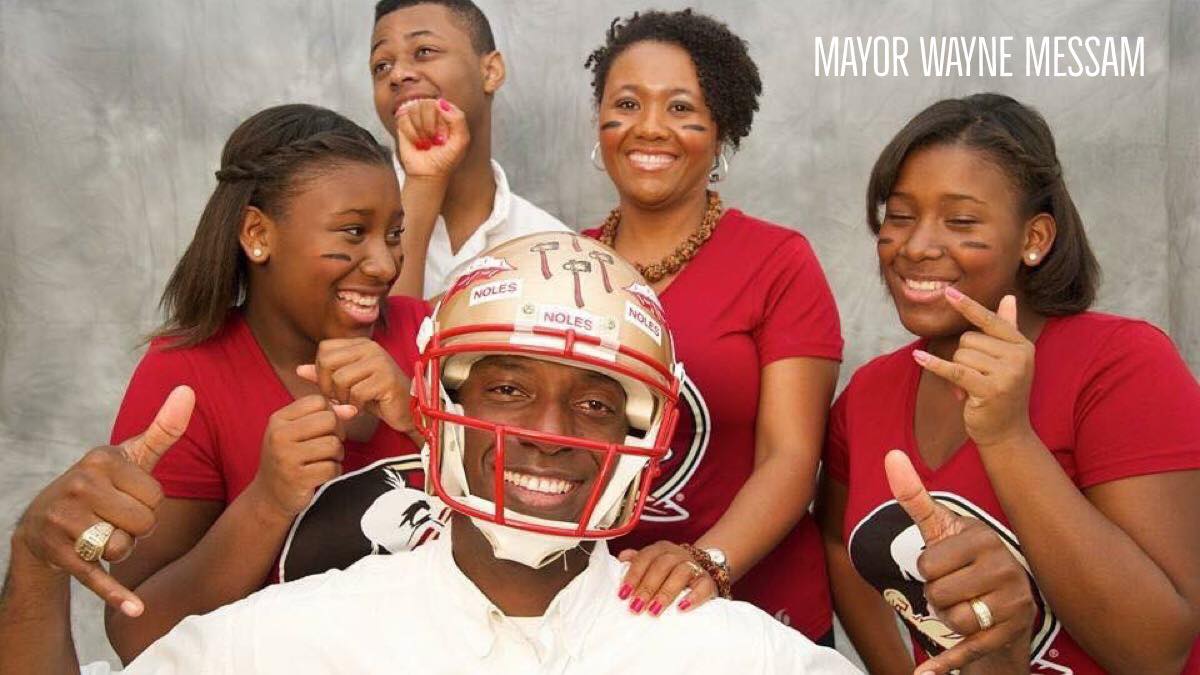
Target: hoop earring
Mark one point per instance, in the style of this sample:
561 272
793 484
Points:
720 169
599 166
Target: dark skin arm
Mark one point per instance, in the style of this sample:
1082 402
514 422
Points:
431 140
35 617
1145 526
794 396
201 557
110 484
189 566
869 621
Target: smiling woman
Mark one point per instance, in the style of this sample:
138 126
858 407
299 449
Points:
278 306
754 322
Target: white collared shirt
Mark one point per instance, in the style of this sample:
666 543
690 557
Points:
417 613
512 216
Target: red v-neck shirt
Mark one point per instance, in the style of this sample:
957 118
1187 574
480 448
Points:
237 390
1111 399
753 294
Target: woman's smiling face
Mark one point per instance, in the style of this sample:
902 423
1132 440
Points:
657 135
953 218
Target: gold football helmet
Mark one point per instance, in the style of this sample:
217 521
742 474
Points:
565 298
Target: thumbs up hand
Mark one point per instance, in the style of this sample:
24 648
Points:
110 484
972 582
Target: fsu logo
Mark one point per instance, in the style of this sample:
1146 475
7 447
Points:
483 267
884 547
680 464
648 299
379 509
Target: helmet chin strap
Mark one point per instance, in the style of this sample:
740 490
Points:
531 549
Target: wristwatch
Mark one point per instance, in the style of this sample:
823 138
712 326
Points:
718 558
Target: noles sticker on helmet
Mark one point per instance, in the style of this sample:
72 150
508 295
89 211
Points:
566 318
642 321
495 290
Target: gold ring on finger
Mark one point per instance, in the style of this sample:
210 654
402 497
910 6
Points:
983 613
90 545
697 570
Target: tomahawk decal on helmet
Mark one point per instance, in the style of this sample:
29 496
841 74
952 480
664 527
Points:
541 248
521 309
603 260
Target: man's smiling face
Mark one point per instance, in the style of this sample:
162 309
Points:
545 480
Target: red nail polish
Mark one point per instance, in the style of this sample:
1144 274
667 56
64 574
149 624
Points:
637 605
440 139
953 293
684 604
625 591
444 104
423 145
656 608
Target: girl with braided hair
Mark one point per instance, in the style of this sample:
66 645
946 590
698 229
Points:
278 318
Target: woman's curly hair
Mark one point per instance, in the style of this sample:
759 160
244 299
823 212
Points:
728 76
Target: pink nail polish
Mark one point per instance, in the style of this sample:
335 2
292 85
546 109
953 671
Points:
625 591
684 604
656 608
953 293
921 357
444 104
439 139
637 605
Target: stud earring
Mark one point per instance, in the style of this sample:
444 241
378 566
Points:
1033 256
257 253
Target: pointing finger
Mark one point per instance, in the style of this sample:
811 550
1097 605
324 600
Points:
981 316
964 377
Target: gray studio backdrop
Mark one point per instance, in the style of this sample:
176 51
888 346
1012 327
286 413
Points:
113 113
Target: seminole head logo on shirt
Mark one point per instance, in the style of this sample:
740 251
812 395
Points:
691 440
379 509
884 547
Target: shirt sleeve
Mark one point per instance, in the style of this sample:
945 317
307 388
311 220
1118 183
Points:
1138 411
399 338
800 316
836 455
191 469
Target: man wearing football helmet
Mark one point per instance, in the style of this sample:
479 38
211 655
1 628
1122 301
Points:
546 390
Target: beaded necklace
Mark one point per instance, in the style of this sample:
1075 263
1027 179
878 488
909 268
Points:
676 259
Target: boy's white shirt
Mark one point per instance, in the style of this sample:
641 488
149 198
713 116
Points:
512 216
